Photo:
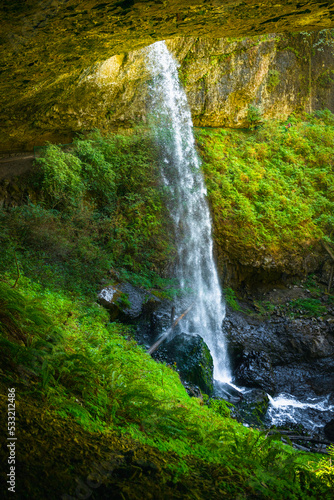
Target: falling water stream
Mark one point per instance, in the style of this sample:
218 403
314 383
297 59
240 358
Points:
188 207
184 183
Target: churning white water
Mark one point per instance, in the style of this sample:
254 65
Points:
312 413
187 203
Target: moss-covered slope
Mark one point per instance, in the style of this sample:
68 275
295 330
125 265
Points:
271 193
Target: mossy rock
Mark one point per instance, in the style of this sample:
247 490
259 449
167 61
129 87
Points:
193 360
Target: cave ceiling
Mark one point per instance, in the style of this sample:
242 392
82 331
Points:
46 45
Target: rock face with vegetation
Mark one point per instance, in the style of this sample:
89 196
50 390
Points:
85 228
277 74
271 199
192 359
47 46
281 341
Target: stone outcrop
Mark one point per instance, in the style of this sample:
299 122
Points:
127 303
221 77
47 46
193 361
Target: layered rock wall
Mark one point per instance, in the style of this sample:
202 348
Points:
46 45
278 74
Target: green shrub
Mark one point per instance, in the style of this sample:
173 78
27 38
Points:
254 115
231 299
99 206
273 79
97 173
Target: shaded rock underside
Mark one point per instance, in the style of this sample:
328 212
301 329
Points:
46 46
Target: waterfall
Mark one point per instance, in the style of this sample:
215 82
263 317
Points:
183 180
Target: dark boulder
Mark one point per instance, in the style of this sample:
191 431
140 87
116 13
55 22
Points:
192 358
252 408
329 430
282 354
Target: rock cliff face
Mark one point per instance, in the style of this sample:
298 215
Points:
46 46
278 74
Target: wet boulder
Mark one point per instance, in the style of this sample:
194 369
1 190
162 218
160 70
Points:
252 408
126 302
224 390
192 358
255 370
281 354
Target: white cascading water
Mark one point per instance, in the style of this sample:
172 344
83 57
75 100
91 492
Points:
313 413
183 180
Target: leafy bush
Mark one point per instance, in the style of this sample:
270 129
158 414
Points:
98 206
325 468
254 115
61 184
231 299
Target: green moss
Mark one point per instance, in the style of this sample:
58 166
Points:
326 79
97 205
308 308
273 79
271 188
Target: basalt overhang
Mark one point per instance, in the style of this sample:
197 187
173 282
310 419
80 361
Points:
46 46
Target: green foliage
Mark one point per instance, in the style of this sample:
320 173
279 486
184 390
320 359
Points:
61 184
273 79
23 320
220 407
254 116
98 206
98 173
272 188
83 372
231 299
306 307
93 373
265 307
326 468
324 38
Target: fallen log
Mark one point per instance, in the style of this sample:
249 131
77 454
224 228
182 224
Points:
311 440
155 346
295 437
328 250
303 448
